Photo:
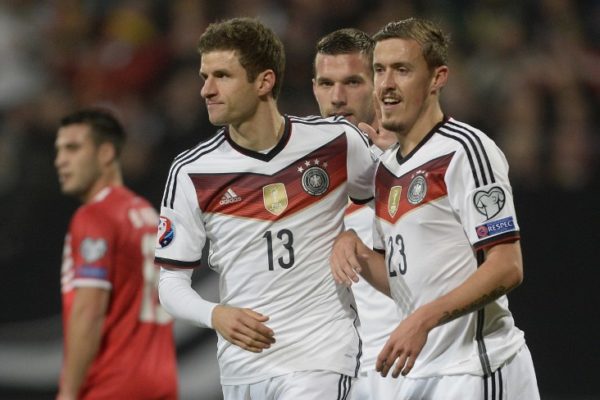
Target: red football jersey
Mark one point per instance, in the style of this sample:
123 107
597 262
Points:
110 245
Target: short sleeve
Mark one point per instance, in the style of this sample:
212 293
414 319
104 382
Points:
93 243
361 166
480 194
181 235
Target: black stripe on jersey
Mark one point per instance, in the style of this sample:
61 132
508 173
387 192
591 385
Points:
188 157
335 121
476 151
466 131
469 155
178 264
500 383
359 343
483 357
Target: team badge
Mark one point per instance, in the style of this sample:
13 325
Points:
275 198
315 181
417 190
166 232
394 200
490 203
93 249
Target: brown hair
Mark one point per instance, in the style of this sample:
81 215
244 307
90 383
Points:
257 47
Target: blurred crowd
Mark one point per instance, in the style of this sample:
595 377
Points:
526 72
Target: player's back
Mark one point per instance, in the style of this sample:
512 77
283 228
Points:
112 247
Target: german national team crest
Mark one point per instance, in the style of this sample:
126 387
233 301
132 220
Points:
315 181
417 190
275 198
394 200
490 203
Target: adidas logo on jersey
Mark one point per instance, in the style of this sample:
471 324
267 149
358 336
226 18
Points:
229 197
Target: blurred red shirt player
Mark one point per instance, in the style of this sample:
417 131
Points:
118 340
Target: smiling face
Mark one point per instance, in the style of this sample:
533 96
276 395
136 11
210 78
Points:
77 160
404 84
343 85
230 98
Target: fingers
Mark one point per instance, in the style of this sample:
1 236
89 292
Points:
369 130
401 361
345 265
243 328
345 268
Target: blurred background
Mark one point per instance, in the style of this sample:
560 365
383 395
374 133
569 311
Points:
526 72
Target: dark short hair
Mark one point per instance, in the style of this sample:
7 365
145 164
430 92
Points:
346 41
434 42
104 126
257 46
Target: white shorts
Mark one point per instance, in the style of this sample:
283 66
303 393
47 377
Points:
371 385
305 385
515 380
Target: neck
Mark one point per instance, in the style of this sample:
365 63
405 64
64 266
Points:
262 131
410 138
111 177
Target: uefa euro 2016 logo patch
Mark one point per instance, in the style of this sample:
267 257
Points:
165 234
417 190
495 227
490 203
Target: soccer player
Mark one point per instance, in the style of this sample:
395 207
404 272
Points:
343 85
269 192
118 341
446 235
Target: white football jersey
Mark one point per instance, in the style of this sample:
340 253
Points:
378 313
436 210
271 220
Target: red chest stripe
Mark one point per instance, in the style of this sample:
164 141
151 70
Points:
271 197
394 196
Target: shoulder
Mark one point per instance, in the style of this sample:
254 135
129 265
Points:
201 149
465 136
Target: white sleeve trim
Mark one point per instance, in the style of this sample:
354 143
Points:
181 301
97 283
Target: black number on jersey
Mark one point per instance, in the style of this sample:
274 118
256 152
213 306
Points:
287 239
399 241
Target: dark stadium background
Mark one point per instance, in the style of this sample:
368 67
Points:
526 72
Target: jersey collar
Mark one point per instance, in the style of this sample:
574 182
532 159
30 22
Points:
285 137
433 130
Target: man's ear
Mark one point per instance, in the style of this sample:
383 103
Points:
107 153
265 81
440 78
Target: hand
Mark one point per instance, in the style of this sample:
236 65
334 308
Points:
381 137
403 347
347 256
243 327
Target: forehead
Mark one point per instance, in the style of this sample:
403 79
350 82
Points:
74 133
219 59
341 64
396 50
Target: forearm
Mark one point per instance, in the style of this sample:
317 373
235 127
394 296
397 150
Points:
375 272
82 343
181 301
499 274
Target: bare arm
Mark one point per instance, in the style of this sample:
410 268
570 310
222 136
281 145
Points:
84 333
501 272
350 257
